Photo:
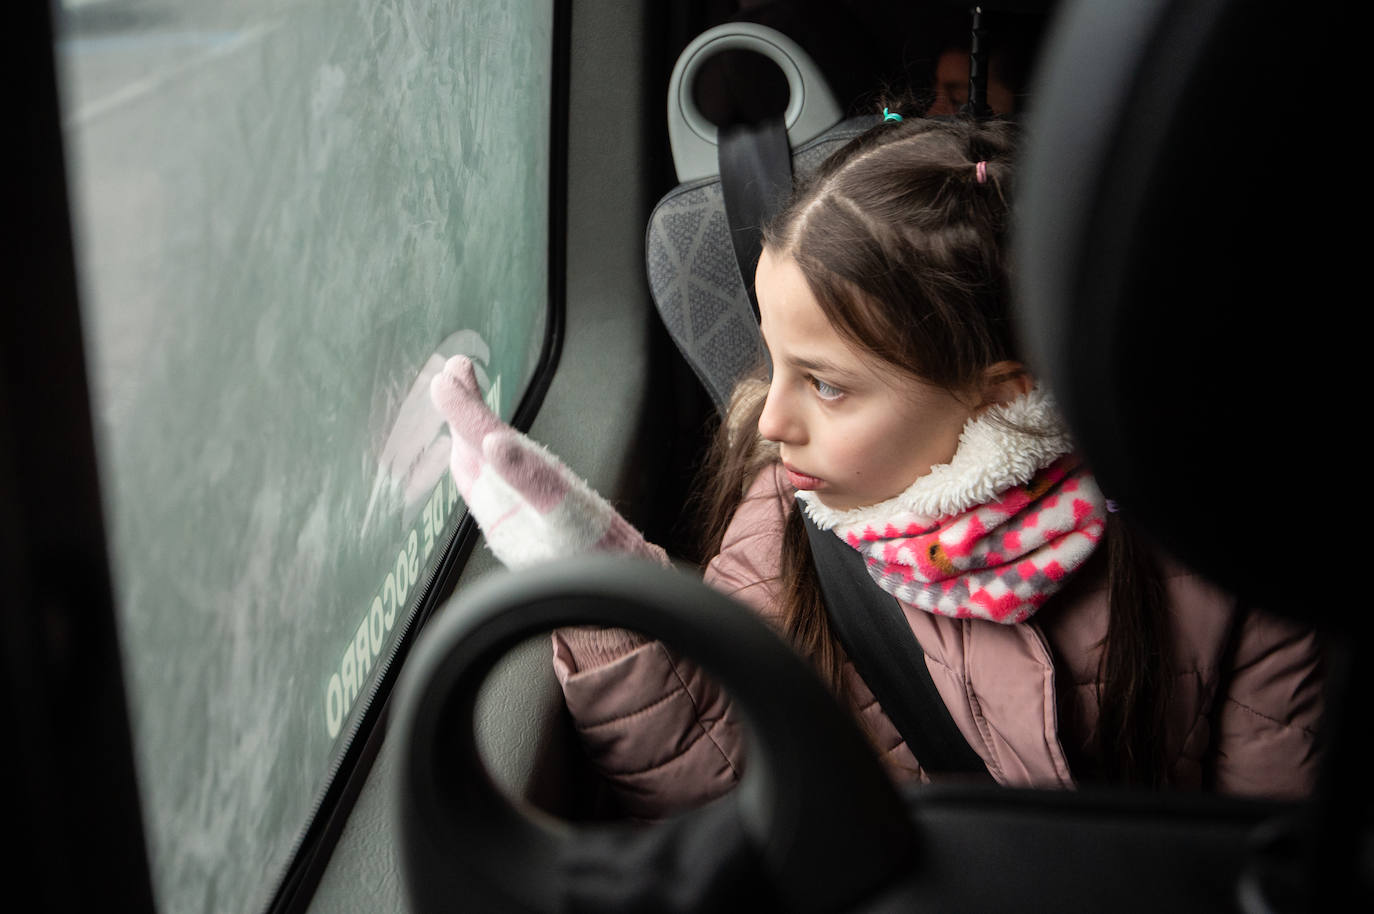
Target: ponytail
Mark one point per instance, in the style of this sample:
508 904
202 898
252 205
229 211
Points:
737 455
805 622
1135 670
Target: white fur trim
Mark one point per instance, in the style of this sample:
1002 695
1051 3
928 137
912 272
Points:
993 455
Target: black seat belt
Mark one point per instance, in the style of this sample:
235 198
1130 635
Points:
871 626
755 180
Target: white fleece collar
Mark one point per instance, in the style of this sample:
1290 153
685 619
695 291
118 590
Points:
993 455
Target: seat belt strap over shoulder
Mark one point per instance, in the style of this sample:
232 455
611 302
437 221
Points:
755 180
872 628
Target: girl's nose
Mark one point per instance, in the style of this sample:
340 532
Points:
778 420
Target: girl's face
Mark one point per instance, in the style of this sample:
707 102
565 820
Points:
850 427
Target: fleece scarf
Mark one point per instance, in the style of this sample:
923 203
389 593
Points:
992 534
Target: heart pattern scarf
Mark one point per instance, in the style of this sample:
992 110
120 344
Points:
990 535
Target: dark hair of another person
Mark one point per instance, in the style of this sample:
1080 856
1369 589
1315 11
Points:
906 252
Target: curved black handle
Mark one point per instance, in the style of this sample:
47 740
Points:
814 805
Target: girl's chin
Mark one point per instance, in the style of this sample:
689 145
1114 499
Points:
838 501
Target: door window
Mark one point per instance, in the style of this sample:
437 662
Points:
288 213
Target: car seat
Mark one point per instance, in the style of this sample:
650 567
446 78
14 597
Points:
701 291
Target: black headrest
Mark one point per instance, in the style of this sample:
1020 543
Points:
1178 266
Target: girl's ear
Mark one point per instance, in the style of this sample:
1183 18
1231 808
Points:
1005 381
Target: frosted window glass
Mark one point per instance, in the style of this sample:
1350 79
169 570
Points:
287 214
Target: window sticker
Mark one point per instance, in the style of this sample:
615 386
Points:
412 477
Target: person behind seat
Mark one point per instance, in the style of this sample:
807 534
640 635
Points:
950 84
899 416
1013 39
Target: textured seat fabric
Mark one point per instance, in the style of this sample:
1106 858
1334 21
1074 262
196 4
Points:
695 278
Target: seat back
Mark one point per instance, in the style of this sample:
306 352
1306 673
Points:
1183 267
694 275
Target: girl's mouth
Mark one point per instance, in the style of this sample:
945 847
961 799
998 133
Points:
802 481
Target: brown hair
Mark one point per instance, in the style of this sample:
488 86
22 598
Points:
904 247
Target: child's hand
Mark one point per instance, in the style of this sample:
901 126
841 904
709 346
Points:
531 507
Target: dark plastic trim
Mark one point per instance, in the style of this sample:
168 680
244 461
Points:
68 761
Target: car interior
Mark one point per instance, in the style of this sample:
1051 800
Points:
458 782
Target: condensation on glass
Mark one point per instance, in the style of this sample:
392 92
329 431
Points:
288 213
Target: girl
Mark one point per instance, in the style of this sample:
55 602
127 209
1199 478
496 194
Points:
899 417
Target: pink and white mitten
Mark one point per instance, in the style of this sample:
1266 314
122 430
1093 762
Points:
531 507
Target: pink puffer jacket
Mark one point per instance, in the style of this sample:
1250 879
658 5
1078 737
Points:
668 738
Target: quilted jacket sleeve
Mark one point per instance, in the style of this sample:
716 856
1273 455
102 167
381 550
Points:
1266 739
662 733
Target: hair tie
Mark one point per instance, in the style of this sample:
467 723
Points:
891 116
1112 506
981 170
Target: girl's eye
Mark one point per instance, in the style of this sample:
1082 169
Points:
825 391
